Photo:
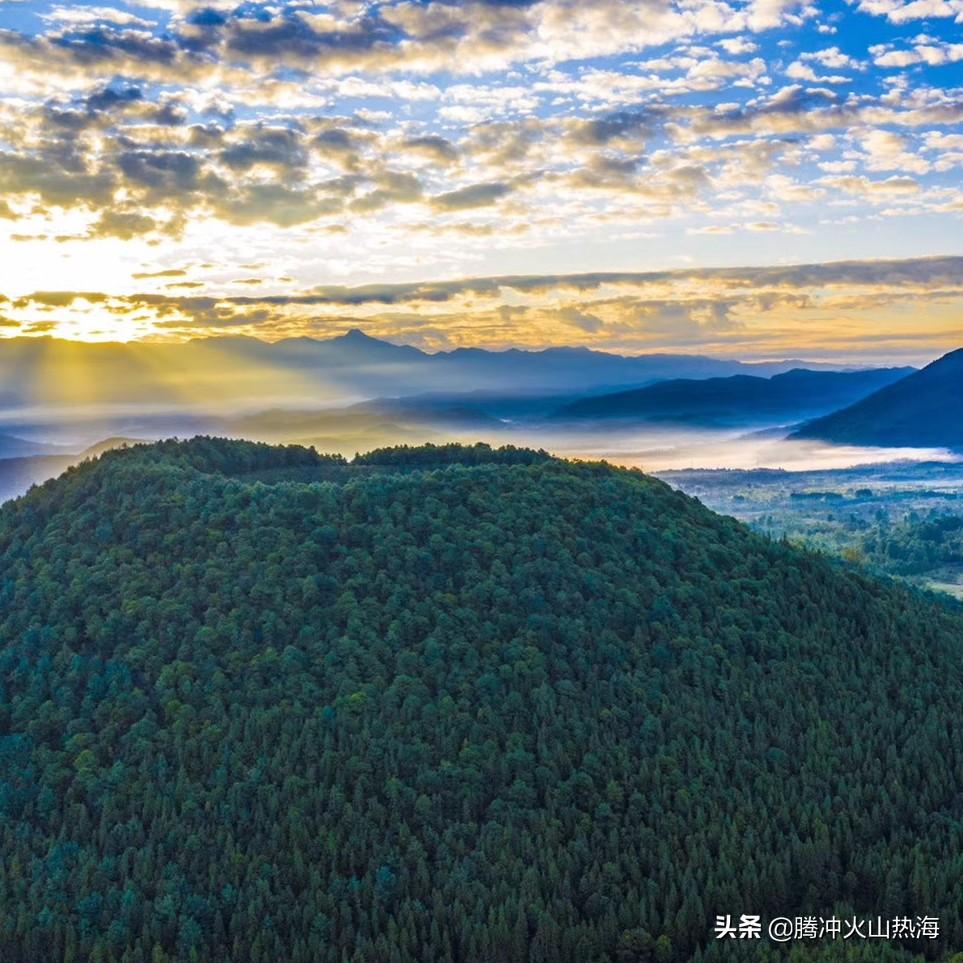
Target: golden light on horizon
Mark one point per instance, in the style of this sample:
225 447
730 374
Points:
908 309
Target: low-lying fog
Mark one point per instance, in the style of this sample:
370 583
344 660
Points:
647 447
667 450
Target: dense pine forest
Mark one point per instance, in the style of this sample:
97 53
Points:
446 705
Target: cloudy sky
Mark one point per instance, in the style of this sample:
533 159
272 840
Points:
740 178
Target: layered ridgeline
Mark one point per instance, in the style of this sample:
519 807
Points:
925 409
49 371
452 704
736 400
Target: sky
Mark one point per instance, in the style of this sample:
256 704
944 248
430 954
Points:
757 179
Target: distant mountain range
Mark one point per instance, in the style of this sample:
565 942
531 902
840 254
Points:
475 409
18 473
351 367
13 447
740 400
923 410
62 395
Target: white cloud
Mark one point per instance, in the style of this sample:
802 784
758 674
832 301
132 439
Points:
886 150
899 12
932 54
738 46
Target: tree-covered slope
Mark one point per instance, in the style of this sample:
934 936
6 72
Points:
924 409
514 710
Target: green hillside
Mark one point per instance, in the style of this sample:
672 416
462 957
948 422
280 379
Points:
453 706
